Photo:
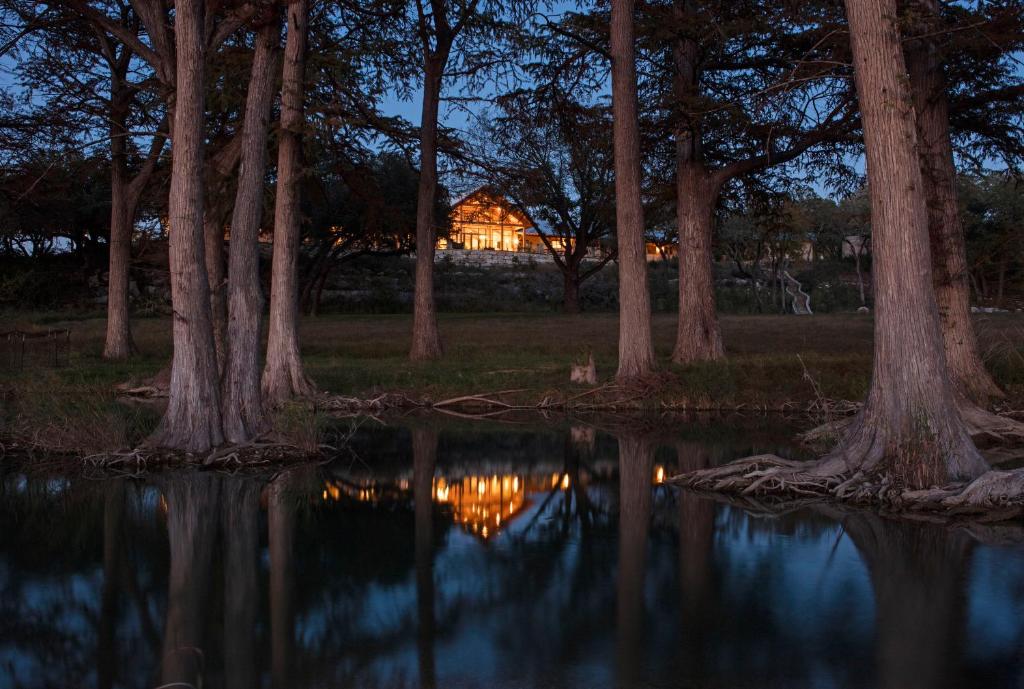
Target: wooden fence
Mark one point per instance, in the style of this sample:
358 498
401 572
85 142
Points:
20 349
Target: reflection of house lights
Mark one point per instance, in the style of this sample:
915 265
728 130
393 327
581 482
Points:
481 505
659 474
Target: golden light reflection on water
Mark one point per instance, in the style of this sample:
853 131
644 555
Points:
482 505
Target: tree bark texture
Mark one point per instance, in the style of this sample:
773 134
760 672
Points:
124 201
426 339
571 289
283 375
636 352
698 335
119 343
948 251
214 218
910 427
192 422
242 406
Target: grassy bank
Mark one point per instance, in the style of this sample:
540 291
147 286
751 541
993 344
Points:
774 362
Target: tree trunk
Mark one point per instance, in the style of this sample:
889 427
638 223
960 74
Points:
636 458
948 251
698 336
860 274
909 428
242 408
636 352
283 375
571 290
426 339
192 422
119 343
213 239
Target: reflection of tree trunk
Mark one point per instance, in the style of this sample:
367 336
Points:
106 652
579 447
636 458
191 533
240 515
424 453
280 527
917 572
696 533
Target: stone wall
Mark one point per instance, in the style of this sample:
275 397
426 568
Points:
477 257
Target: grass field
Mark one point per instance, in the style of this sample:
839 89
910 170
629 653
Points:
774 362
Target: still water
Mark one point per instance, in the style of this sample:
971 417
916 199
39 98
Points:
496 555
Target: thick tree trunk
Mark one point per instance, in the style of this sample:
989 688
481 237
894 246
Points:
240 512
636 457
636 352
242 407
119 343
192 421
214 218
283 375
571 289
426 339
948 251
698 336
424 453
909 428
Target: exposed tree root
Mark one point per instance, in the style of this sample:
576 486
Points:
994 496
1000 437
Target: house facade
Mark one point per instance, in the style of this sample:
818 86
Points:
485 221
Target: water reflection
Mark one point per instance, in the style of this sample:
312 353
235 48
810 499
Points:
365 574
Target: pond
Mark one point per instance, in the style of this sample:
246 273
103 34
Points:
532 553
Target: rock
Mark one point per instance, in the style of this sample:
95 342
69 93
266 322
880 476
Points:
863 309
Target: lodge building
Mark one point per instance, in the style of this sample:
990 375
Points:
485 221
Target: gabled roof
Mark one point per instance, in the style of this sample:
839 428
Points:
487 189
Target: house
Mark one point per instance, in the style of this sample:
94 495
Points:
483 220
